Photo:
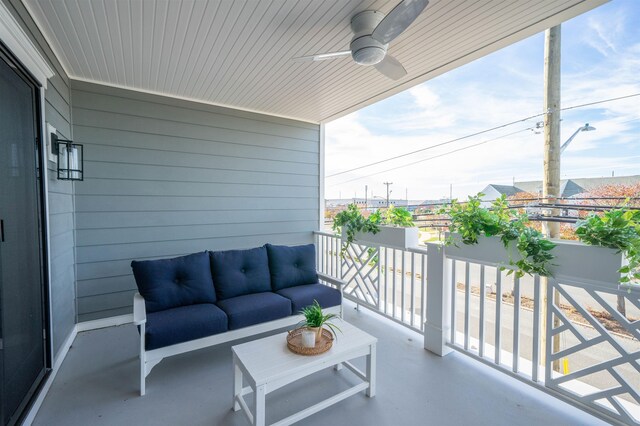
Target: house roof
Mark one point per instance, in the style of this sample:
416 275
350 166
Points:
507 190
239 53
568 188
591 183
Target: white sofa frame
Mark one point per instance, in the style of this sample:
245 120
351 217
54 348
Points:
149 359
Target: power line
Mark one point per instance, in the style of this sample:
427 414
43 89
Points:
435 146
600 102
477 134
435 156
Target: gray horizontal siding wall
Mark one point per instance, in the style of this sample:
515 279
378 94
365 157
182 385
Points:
61 211
165 177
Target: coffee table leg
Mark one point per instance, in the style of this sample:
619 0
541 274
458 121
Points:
371 371
237 386
259 397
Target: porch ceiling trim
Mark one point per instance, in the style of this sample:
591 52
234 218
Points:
13 36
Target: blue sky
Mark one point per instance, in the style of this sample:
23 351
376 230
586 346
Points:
600 60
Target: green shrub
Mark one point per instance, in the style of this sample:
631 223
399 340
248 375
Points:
471 221
617 229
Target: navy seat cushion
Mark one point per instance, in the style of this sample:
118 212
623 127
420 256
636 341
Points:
182 324
239 272
292 266
304 295
170 283
251 309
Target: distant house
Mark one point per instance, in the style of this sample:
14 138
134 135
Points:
492 192
568 187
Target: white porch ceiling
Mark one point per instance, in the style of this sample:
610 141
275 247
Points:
238 53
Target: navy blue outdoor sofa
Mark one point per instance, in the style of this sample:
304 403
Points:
203 299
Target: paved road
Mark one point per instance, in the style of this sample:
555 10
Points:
583 359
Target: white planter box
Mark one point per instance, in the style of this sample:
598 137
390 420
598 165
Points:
389 236
489 250
573 261
577 262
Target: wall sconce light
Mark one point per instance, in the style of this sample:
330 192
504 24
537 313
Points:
70 159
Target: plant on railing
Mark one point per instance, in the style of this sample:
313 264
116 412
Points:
392 216
351 221
470 220
397 216
617 229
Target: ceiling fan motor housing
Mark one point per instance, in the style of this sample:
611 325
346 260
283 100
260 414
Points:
366 50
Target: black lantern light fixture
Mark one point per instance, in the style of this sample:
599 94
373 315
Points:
70 159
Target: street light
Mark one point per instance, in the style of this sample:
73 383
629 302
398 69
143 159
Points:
585 128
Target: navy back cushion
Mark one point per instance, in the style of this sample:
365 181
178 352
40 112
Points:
292 266
240 272
170 283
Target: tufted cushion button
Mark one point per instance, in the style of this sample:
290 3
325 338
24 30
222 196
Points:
295 265
242 270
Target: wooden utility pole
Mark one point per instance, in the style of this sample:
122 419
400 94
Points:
388 192
551 177
366 195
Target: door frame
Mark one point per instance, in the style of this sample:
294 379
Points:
23 50
43 234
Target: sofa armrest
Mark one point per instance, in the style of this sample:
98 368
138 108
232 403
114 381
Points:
335 281
139 310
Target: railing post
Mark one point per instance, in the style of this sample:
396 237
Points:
437 327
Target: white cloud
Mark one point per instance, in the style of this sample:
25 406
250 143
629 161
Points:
605 30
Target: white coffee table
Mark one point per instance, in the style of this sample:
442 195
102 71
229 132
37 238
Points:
267 364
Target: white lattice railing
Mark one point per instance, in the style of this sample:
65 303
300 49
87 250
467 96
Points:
389 281
602 343
495 317
565 335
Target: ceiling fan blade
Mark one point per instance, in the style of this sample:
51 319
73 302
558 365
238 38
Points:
323 56
391 68
398 20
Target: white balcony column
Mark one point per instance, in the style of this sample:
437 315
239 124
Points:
437 327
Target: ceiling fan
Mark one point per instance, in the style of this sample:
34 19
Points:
372 33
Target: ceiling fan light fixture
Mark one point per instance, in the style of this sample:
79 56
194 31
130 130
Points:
367 51
368 55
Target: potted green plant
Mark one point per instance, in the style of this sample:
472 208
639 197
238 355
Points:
349 222
524 249
619 231
392 227
315 319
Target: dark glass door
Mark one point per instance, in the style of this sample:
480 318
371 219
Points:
22 337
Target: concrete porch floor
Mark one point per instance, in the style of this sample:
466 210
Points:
98 385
